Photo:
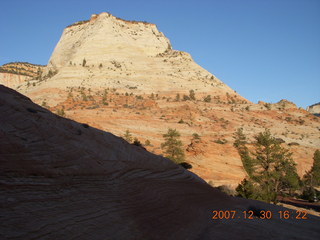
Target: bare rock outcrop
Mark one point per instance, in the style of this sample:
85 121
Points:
61 180
314 109
18 73
108 52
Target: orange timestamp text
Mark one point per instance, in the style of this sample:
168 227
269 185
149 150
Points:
262 214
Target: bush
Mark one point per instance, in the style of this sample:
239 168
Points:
185 98
308 194
185 165
127 136
136 142
147 142
60 112
181 121
219 141
196 137
192 95
207 98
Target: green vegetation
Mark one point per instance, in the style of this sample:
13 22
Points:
104 97
268 106
185 98
127 136
312 179
60 112
192 95
271 170
240 144
136 142
221 141
44 104
51 73
207 98
173 146
177 97
147 143
196 137
181 121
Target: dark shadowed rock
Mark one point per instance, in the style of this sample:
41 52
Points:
61 181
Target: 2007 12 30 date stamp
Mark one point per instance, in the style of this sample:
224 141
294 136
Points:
262 214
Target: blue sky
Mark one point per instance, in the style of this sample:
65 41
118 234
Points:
264 49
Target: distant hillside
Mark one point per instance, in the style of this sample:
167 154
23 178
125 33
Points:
314 109
22 68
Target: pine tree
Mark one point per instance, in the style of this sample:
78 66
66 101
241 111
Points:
315 169
127 136
273 167
173 146
272 171
312 178
192 94
246 189
207 98
240 144
178 97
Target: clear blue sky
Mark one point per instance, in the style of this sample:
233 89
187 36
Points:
264 49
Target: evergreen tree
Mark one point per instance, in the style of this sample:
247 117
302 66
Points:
127 136
273 167
272 171
312 178
178 97
207 98
240 144
192 94
173 146
315 169
196 138
246 189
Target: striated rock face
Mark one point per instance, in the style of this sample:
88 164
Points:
105 38
108 52
314 109
13 80
61 180
17 73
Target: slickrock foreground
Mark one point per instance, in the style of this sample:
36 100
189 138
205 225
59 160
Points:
65 180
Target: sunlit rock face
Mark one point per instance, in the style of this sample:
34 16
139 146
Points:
314 109
106 51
